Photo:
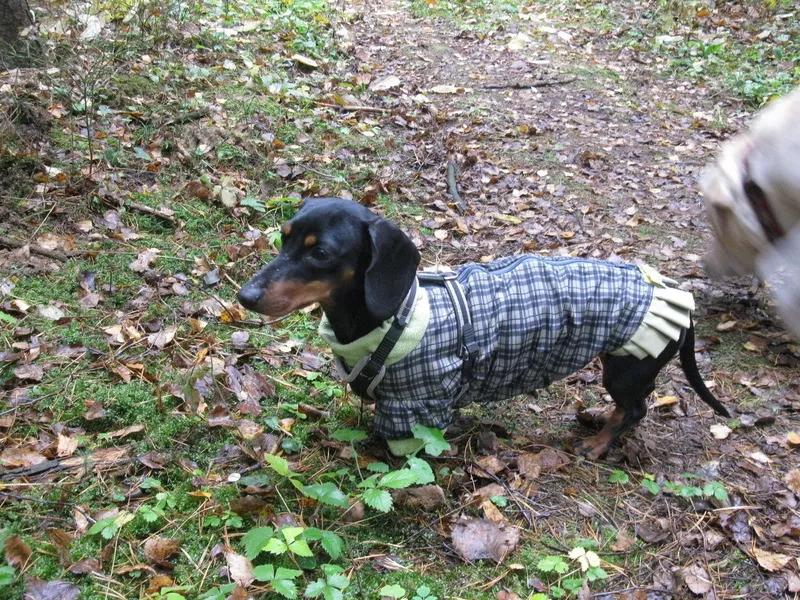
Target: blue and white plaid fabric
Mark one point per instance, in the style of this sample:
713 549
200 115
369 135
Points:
536 320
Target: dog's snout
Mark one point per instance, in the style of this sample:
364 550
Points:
249 296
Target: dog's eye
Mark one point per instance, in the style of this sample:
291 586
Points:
319 253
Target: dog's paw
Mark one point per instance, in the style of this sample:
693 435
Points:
593 447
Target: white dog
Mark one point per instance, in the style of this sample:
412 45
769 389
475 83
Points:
752 195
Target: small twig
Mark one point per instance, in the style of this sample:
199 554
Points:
9 243
186 117
525 86
352 107
452 187
632 589
43 501
151 211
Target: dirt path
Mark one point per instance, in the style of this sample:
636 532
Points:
599 158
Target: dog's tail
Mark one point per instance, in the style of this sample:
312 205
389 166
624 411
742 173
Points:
689 366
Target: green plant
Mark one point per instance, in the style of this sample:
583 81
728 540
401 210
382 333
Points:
281 579
710 489
568 577
618 476
329 587
7 575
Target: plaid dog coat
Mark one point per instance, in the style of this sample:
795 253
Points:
536 320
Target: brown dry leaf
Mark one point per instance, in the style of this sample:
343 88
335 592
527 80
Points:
427 497
623 542
94 410
53 313
696 578
770 561
720 431
793 579
529 466
665 401
66 446
17 552
793 439
249 429
491 512
231 313
144 260
476 539
239 568
159 550
489 464
36 589
61 540
161 338
551 459
792 480
156 583
507 595
29 372
487 491
20 457
126 431
86 566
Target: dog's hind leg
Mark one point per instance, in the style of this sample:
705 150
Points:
629 381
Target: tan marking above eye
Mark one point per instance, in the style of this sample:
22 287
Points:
310 240
286 229
348 273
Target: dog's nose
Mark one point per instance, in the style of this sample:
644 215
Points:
249 296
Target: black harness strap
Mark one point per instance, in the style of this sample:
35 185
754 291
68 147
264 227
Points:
369 371
367 374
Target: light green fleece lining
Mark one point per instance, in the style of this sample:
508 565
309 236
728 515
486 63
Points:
354 351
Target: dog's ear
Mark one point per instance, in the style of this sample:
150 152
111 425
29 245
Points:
391 270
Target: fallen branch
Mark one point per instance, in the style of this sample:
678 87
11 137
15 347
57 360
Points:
452 187
151 211
9 243
352 107
186 117
526 86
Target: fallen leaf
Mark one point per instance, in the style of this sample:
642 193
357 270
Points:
239 568
126 431
20 457
163 337
29 372
51 312
770 561
17 552
144 260
720 431
623 542
476 539
387 83
159 550
696 578
36 589
66 445
94 410
792 480
665 401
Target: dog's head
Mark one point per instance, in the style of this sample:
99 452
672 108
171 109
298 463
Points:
765 158
338 253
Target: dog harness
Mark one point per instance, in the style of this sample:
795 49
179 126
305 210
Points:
486 332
